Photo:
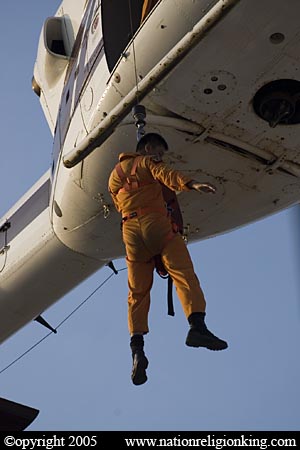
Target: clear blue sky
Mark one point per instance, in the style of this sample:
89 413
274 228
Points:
80 378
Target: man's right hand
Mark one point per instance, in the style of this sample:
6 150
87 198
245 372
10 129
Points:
206 188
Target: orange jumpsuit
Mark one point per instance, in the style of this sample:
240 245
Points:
147 231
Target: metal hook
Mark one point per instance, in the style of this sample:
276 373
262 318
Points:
139 115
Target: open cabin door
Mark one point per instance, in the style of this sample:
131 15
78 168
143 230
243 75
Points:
120 20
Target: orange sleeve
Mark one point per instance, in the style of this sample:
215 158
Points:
174 179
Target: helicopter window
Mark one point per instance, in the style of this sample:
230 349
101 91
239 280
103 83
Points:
120 20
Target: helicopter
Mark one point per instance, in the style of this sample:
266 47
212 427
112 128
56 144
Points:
232 121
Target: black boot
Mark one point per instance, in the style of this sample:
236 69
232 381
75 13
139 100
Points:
139 360
200 336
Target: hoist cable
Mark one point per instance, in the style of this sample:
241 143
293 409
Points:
61 323
133 51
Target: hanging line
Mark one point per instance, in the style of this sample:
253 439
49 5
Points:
139 115
62 322
133 51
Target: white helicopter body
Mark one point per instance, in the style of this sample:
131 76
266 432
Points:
218 80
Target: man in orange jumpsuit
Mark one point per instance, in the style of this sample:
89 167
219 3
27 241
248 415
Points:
135 185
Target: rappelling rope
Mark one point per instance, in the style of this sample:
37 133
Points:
63 321
134 54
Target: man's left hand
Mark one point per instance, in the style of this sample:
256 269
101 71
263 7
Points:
206 188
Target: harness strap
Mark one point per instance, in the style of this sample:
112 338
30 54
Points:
162 272
133 187
141 211
129 183
135 164
171 311
120 172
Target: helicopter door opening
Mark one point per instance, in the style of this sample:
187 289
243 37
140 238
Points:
120 20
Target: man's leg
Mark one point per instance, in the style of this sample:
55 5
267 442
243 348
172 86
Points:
178 263
140 279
